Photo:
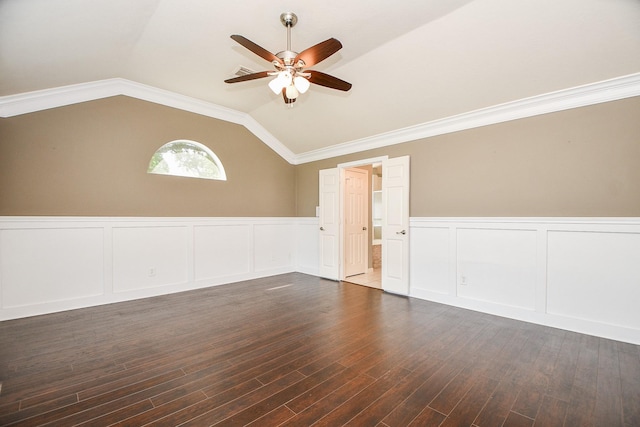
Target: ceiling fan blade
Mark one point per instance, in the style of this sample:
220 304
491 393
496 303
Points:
319 52
246 77
258 50
326 80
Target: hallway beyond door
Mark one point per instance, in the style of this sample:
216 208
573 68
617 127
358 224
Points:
371 278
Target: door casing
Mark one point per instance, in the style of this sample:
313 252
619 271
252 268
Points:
341 168
337 271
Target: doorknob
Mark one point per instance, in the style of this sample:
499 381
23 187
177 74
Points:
364 228
321 228
401 232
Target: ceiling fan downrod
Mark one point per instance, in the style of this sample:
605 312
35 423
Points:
289 20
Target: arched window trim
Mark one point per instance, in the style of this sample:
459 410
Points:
209 155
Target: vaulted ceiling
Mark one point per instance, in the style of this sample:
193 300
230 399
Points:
410 61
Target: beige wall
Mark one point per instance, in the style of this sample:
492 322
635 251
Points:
581 162
91 159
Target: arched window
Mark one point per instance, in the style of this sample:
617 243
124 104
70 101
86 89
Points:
187 158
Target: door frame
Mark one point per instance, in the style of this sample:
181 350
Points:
341 168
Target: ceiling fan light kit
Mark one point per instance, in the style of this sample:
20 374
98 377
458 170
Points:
291 76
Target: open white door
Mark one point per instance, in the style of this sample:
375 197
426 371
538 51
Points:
395 225
356 220
329 223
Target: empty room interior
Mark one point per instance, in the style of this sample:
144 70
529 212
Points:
355 213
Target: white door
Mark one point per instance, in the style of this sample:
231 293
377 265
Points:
329 222
356 219
395 225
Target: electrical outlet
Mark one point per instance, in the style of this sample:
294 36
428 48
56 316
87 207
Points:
152 272
463 280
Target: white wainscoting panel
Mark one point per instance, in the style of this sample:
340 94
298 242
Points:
50 264
222 251
149 257
497 266
579 274
308 246
430 259
595 277
274 246
40 265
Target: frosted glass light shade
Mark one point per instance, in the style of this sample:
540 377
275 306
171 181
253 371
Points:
301 84
292 92
280 82
276 85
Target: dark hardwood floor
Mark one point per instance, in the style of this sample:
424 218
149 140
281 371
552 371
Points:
298 350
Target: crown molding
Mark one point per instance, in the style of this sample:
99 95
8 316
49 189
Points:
29 102
580 96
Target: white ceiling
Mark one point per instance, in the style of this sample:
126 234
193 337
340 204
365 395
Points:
410 61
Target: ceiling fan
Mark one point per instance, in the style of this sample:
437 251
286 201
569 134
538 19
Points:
291 74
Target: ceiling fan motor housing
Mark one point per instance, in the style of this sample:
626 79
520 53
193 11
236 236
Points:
288 56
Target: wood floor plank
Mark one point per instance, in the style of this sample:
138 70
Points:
467 410
552 413
630 382
428 417
118 415
497 340
379 409
161 411
35 392
453 392
22 414
506 362
322 390
563 375
422 396
294 349
528 402
211 401
497 408
608 408
9 408
297 363
517 420
273 418
265 406
357 403
327 404
583 391
109 402
210 412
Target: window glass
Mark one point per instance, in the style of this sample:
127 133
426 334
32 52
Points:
187 158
